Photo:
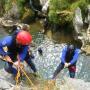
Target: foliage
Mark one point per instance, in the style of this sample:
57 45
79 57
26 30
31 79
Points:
53 17
2 3
61 11
55 7
20 4
82 4
8 5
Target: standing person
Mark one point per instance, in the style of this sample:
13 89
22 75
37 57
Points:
69 59
16 46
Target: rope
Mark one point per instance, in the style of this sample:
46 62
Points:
17 77
31 83
18 74
24 72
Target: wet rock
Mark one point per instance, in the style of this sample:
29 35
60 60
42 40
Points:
77 21
10 23
7 23
87 19
13 13
74 84
42 2
85 35
45 6
86 49
5 80
88 34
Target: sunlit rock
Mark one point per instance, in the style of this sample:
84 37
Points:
45 6
77 21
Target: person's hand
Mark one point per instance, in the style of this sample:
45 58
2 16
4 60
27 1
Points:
69 64
66 65
7 58
16 64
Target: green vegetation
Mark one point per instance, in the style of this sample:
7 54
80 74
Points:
82 4
8 5
61 11
2 3
56 6
20 4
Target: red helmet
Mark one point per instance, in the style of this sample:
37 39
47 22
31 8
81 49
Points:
23 38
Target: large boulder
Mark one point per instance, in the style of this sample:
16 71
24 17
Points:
77 21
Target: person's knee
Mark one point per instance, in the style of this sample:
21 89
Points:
72 68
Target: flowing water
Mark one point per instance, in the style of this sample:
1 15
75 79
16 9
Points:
47 63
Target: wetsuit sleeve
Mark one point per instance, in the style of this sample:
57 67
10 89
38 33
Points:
63 55
3 43
2 52
23 53
75 57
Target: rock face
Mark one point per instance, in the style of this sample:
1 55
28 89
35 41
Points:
7 83
86 34
82 33
7 23
45 6
88 21
43 2
74 84
77 21
13 13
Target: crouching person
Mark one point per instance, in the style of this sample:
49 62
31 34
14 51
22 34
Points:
69 59
16 46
